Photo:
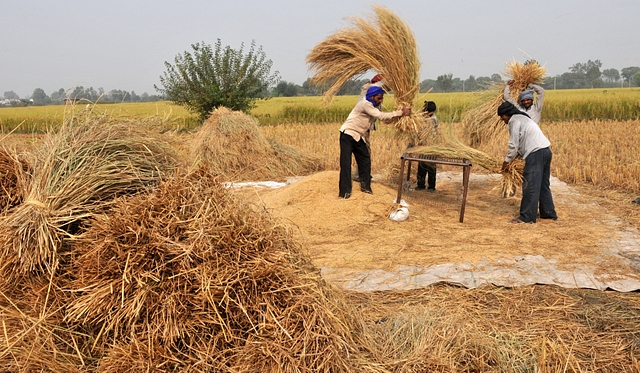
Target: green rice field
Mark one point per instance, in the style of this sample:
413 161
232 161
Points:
561 105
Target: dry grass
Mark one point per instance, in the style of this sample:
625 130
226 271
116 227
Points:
185 278
77 172
528 329
230 144
14 177
383 43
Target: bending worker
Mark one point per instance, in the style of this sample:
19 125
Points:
352 140
527 140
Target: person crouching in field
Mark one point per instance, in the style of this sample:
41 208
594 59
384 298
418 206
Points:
527 140
352 141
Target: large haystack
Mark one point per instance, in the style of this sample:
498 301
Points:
230 144
190 279
77 172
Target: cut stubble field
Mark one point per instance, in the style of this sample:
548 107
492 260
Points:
442 326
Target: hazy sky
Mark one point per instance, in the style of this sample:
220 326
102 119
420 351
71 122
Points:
121 44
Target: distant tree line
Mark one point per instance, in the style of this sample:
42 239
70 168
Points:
77 94
580 75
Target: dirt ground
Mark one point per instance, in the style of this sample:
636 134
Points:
358 246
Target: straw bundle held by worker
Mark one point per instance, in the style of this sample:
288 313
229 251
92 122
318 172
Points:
523 74
229 143
77 172
481 123
14 178
204 282
383 43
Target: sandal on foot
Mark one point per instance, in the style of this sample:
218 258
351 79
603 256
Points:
516 221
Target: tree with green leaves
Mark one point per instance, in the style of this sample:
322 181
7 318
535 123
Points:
209 77
445 82
39 97
627 73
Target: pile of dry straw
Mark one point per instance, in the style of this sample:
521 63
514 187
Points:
115 261
229 143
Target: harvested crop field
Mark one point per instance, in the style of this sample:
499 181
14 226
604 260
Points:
193 275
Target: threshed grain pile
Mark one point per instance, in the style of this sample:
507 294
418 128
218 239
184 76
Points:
229 143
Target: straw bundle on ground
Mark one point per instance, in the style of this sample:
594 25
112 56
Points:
190 279
77 172
14 178
383 43
231 144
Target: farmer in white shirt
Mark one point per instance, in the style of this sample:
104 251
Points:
352 139
526 101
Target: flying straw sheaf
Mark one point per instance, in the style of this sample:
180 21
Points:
523 74
230 143
77 172
383 43
481 123
191 279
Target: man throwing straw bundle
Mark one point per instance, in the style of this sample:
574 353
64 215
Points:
352 139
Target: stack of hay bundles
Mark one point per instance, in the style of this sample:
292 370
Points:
114 263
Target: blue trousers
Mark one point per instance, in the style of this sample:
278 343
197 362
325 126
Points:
536 193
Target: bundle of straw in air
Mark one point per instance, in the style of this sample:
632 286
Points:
230 144
383 43
191 279
481 123
523 74
78 171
